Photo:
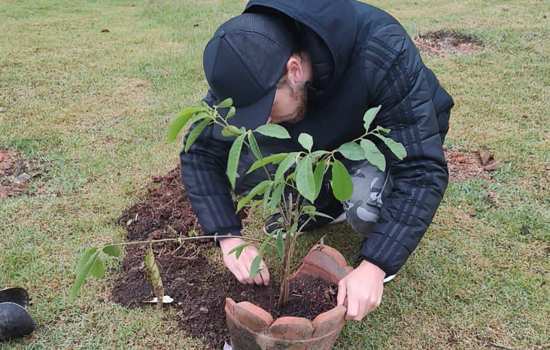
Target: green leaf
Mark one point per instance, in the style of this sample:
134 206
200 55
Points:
195 119
230 113
228 102
319 174
195 133
254 147
286 164
84 267
84 259
238 250
280 244
373 154
306 141
352 151
243 202
264 246
233 159
342 186
397 148
231 130
257 190
276 195
273 130
274 158
305 180
181 120
98 268
112 250
369 116
255 266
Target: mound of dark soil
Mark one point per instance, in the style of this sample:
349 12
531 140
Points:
445 42
198 287
165 212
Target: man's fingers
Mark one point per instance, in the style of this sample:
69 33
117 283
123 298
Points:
241 267
373 304
363 309
353 309
341 292
237 273
245 273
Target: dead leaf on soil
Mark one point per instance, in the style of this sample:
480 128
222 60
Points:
488 161
485 156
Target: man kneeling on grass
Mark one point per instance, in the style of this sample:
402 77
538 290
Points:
317 68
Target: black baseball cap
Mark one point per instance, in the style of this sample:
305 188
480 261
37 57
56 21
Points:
244 60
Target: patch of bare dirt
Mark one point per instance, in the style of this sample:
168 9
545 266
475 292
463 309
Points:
16 173
447 42
467 165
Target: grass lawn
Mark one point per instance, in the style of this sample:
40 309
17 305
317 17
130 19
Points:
87 90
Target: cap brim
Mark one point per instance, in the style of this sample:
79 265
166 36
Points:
256 114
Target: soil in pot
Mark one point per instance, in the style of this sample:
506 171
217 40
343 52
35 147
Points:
197 284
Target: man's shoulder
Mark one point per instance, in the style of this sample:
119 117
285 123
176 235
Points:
379 29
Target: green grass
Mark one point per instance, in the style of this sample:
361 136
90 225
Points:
93 107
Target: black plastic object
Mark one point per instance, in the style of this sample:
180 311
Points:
15 321
15 295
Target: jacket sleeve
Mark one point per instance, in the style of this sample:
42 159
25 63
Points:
203 175
419 180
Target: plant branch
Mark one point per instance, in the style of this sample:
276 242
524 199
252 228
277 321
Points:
182 239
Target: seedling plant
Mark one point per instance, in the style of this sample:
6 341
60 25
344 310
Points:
289 192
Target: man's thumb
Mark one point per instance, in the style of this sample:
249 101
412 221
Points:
341 298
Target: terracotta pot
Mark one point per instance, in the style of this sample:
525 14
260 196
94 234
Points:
253 328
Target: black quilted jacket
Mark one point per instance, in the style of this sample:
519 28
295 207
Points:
362 58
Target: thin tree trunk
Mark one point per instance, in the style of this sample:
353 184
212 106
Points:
289 247
283 292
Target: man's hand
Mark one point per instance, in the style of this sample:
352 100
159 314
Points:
241 267
362 289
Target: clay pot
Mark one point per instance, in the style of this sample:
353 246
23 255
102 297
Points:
253 328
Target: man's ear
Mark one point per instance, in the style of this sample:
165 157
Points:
295 69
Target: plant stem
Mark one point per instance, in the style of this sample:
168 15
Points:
284 289
290 225
182 239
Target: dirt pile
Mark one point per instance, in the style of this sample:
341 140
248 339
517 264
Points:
165 211
198 287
